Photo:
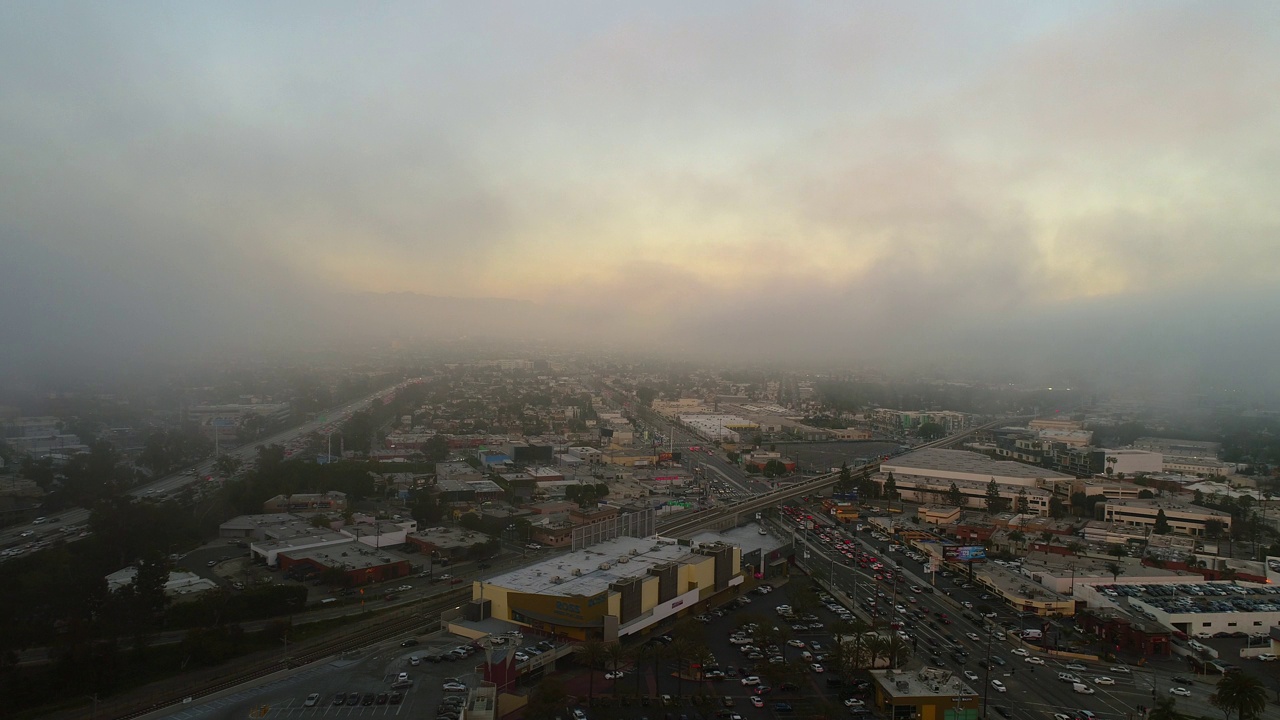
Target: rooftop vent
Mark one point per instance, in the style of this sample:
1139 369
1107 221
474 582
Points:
577 572
605 566
557 580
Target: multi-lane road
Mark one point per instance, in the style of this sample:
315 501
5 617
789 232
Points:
1032 690
57 523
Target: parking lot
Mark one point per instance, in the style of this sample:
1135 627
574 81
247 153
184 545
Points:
372 677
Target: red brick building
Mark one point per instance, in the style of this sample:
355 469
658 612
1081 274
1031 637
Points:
1121 634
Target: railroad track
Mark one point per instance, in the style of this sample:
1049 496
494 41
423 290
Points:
361 637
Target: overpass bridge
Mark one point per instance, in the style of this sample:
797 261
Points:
730 517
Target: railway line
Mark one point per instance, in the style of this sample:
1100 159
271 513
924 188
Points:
366 634
721 518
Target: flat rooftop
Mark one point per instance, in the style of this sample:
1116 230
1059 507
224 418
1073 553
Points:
649 553
921 462
925 682
350 557
1012 582
747 537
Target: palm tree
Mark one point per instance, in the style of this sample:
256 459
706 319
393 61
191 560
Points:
1165 709
1016 537
876 647
1240 693
681 649
591 653
1115 569
615 654
641 654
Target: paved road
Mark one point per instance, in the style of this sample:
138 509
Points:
1033 691
30 534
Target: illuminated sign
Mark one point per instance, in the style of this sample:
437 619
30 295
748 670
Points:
964 553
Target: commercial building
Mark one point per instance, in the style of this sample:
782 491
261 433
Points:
332 501
1210 608
1117 632
611 589
1182 518
721 428
924 694
1197 466
359 565
923 489
900 421
938 514
445 543
1178 448
971 466
222 422
1130 462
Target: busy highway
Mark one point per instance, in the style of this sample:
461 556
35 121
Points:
951 624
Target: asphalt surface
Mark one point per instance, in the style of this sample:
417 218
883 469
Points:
1033 691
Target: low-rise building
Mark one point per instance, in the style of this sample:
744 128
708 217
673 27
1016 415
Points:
924 694
610 589
359 565
938 514
332 501
1183 518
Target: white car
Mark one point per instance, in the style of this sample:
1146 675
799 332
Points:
402 677
817 668
971 675
1180 691
613 675
854 703
1267 657
967 604
579 714
1104 680
1077 667
312 699
796 643
454 687
1120 669
1020 651
999 686
1033 660
973 636
1083 689
751 680
1202 635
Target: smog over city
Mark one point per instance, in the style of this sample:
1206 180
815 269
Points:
331 332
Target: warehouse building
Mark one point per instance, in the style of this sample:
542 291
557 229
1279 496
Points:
610 589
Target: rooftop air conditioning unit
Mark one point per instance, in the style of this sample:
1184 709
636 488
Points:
624 559
577 572
633 551
605 566
557 580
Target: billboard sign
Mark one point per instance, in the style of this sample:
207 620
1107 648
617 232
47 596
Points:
963 553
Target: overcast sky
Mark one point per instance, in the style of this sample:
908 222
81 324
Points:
944 180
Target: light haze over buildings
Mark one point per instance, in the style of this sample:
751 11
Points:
1049 189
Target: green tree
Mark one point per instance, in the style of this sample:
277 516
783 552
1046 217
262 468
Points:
615 654
1162 523
591 654
845 483
1145 494
1016 537
1241 693
955 496
646 395
1057 509
931 431
995 503
1024 506
890 491
1115 569
549 698
775 468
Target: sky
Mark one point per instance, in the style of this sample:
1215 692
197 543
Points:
1037 187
